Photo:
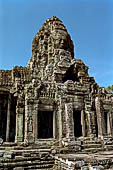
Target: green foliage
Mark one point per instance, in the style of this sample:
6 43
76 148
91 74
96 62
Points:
110 89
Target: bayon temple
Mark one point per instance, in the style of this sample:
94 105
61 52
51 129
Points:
53 115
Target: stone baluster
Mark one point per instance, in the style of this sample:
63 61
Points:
8 118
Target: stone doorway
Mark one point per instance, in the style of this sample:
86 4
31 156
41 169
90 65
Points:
3 115
77 123
105 123
7 118
13 120
45 124
96 125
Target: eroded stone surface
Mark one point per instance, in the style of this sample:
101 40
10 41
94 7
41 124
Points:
53 104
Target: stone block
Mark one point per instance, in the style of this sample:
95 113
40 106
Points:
1 154
78 164
18 168
1 141
8 155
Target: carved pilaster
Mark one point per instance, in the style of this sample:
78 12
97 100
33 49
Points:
60 122
90 117
109 123
29 122
35 122
69 120
19 124
99 117
83 123
62 119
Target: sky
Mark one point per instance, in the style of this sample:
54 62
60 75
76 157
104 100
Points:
89 23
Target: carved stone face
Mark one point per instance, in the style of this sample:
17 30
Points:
60 40
52 35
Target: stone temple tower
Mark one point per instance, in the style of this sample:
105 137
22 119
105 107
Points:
53 102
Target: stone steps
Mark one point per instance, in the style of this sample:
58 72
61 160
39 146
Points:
24 153
26 158
23 148
109 147
94 145
92 150
37 168
48 166
28 164
91 142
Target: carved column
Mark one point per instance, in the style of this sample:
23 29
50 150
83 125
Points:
69 120
35 122
29 136
8 118
109 124
99 116
20 118
60 122
19 124
83 123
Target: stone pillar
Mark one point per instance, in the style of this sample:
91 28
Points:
19 125
29 135
89 132
69 121
99 117
60 113
62 120
8 118
35 122
83 123
88 116
109 123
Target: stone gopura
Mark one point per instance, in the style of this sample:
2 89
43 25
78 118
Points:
53 100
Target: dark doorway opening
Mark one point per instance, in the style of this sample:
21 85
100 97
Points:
13 120
3 115
71 74
105 123
45 124
96 126
77 123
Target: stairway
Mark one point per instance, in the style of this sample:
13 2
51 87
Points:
25 158
92 146
108 143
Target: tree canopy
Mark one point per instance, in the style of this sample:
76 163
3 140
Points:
110 89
